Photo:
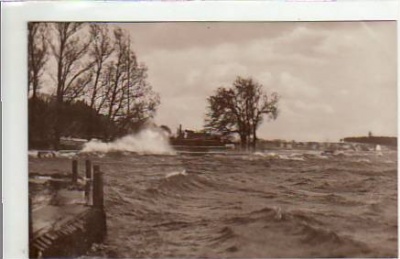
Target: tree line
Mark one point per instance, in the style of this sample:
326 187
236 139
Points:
100 87
376 140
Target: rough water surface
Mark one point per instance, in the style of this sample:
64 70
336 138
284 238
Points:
283 204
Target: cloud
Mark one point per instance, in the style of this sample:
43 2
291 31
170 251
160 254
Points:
334 78
293 87
183 35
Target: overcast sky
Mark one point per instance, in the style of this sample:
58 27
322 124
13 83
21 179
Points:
335 79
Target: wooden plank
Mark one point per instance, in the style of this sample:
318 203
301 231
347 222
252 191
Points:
77 222
48 217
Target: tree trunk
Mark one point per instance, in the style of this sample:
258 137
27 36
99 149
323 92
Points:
57 124
254 139
243 141
33 113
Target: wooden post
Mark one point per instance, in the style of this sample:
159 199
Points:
31 248
98 195
98 203
74 171
88 182
30 219
88 169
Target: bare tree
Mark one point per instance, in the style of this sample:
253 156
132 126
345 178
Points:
68 50
240 110
128 99
139 101
37 55
37 58
99 51
93 68
256 103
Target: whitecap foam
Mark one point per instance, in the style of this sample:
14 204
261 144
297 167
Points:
147 141
363 160
176 173
33 153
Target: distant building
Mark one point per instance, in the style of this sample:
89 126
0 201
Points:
198 138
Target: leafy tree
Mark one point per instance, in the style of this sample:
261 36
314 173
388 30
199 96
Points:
40 121
240 109
73 121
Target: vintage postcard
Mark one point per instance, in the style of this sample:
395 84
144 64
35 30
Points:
210 137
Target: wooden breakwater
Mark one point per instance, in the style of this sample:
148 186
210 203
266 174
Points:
199 150
73 219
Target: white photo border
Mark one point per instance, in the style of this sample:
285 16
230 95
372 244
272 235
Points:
15 16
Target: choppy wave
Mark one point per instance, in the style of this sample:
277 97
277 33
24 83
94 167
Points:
252 205
176 173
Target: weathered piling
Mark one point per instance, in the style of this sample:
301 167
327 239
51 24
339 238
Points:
74 171
88 169
98 194
98 204
30 218
88 184
69 229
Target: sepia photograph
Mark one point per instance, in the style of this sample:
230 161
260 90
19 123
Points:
230 139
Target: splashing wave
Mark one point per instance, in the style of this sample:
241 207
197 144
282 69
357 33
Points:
147 141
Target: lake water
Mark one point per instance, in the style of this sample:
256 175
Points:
282 204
